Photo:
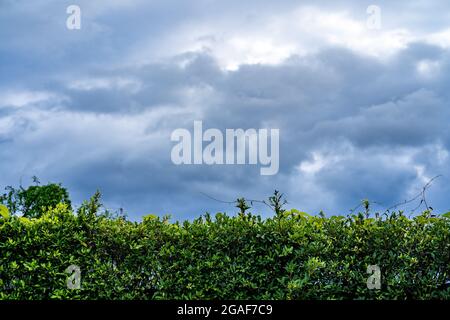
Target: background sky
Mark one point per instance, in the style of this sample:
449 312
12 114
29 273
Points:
362 113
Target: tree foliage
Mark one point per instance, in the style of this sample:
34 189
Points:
31 202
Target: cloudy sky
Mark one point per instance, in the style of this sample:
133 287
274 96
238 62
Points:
362 112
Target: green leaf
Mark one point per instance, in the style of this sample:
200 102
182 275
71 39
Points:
150 217
4 212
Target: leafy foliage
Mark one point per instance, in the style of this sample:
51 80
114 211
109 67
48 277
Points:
4 212
34 200
290 256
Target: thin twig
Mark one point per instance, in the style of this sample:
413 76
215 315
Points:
421 195
251 201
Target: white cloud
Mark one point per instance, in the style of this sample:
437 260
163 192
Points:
272 38
440 38
316 164
117 83
428 68
19 99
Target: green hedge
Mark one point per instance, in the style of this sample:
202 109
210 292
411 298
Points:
290 256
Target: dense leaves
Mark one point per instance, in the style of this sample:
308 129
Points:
290 256
34 200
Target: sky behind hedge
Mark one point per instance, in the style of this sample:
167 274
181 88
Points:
362 113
